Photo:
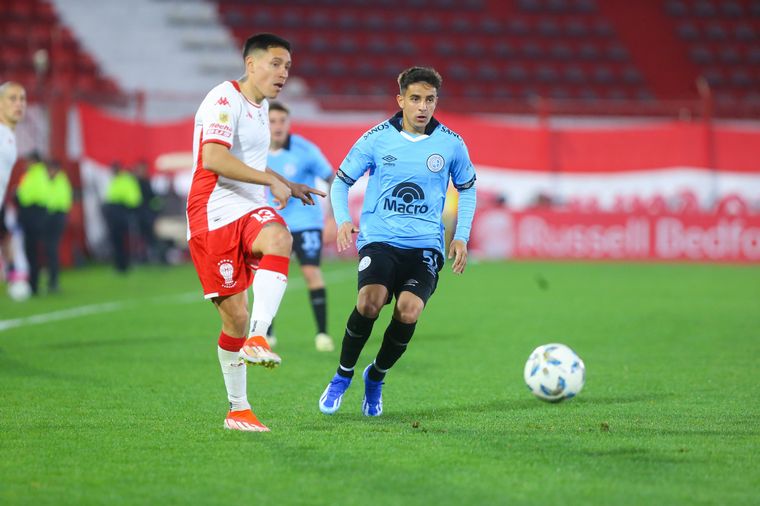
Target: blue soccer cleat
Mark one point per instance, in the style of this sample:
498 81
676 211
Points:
372 404
333 394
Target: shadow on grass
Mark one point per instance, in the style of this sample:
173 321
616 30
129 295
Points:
635 454
628 399
527 404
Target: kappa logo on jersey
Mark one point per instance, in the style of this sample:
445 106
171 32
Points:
405 196
223 101
227 270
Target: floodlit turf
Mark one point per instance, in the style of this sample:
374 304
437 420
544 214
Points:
123 403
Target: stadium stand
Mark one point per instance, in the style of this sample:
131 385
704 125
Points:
495 56
723 41
559 49
36 48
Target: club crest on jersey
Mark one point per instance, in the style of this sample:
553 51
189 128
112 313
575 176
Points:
227 271
364 263
435 162
224 117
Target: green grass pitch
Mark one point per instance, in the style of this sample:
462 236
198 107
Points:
115 396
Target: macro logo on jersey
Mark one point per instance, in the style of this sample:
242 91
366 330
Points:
405 199
435 162
227 271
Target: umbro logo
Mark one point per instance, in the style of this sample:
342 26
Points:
222 101
412 282
390 158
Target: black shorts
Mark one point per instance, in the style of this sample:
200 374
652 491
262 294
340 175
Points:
400 270
307 245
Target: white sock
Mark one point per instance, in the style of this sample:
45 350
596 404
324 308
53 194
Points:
234 379
268 289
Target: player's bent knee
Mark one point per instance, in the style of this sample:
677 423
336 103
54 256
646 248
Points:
409 315
369 308
274 239
408 311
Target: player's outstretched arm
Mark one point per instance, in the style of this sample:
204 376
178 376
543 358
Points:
300 191
458 251
218 159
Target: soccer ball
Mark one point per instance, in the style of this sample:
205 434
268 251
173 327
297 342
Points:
554 372
19 290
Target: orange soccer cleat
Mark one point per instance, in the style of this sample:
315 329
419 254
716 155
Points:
256 351
244 420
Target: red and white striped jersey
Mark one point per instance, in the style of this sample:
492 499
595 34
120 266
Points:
227 117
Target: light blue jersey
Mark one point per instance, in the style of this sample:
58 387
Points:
300 161
408 179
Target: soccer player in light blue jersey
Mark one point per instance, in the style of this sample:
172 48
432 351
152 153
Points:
409 160
301 161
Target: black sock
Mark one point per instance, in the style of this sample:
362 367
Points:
395 341
358 330
318 299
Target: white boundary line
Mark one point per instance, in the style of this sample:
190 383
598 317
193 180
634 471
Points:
109 307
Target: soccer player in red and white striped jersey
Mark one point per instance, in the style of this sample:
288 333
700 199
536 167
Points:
232 230
12 111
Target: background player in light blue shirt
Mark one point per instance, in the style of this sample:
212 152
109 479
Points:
410 160
301 161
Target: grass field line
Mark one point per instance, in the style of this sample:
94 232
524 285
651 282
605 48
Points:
336 276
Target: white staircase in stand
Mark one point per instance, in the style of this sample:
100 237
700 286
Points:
173 50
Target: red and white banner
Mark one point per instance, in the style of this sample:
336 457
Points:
499 233
660 190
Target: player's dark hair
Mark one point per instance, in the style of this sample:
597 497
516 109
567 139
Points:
263 41
278 106
419 75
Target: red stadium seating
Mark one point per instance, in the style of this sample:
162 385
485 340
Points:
28 26
723 40
578 50
565 49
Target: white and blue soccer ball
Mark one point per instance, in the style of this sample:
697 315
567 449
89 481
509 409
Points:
19 290
554 372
